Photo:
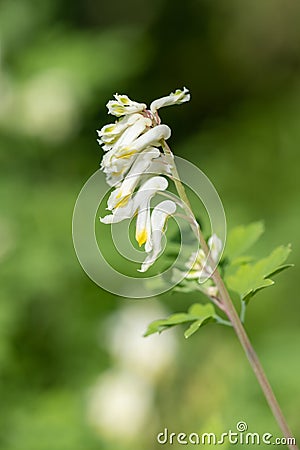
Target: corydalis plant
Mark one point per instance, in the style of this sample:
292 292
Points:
135 146
133 149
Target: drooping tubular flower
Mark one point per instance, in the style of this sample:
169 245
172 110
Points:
177 97
159 216
197 262
135 166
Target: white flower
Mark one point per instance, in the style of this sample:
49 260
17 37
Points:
199 269
111 131
121 212
143 222
139 203
215 245
177 97
159 217
159 165
122 105
121 194
116 168
130 133
118 160
196 264
153 137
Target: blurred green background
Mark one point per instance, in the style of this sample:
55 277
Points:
74 371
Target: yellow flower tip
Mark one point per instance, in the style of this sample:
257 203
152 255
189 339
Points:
109 128
126 153
142 237
123 99
123 201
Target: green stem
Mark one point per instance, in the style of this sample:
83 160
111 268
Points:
222 321
243 311
231 313
253 359
181 192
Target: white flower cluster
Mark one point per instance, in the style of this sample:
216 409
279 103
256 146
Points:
132 150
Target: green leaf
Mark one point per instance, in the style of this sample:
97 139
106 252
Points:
193 328
241 260
206 315
251 278
175 319
273 263
199 310
280 269
196 313
241 238
159 325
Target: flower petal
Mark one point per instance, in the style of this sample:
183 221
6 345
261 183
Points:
152 137
159 216
122 105
142 201
177 97
123 212
215 245
117 161
139 201
159 165
129 134
111 131
138 168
